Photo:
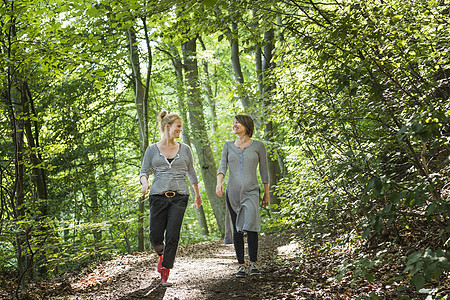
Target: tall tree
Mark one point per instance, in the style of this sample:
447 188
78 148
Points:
236 64
199 131
140 98
178 67
38 172
28 189
206 82
267 93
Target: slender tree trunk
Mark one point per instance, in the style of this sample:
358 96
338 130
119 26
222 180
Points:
33 143
139 91
199 132
258 58
93 197
274 168
208 91
141 102
259 73
236 64
39 176
17 197
259 69
24 260
176 61
280 154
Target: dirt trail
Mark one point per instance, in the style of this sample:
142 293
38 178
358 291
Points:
201 271
291 269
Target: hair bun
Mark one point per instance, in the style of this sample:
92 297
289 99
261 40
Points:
162 114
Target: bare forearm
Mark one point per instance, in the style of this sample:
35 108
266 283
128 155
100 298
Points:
219 185
196 189
266 188
198 198
145 185
143 180
220 177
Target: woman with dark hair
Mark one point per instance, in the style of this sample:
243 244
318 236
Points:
170 162
242 158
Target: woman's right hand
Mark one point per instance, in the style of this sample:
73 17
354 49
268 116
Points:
219 189
145 188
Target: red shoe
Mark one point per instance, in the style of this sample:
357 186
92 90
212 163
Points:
160 267
165 277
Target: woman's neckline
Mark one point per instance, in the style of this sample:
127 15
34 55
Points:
234 143
178 151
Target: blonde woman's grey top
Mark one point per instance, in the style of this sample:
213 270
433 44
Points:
242 185
169 176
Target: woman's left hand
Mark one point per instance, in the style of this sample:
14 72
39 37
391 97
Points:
265 199
198 201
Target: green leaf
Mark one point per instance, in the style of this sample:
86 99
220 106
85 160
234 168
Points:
370 277
366 232
418 280
340 88
417 267
209 3
414 257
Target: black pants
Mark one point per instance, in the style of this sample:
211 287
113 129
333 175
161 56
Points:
238 240
166 217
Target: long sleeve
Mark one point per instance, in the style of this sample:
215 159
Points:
145 167
263 165
169 176
192 175
223 160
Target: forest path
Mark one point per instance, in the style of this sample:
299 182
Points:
201 271
292 268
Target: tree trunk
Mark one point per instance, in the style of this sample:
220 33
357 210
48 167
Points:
17 196
236 64
176 61
208 91
280 155
141 102
24 259
93 197
199 133
273 166
39 176
258 58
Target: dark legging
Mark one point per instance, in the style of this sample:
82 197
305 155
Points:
238 240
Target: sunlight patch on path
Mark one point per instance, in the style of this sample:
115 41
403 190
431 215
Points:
191 274
290 250
106 271
135 277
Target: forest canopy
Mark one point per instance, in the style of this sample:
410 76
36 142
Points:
351 99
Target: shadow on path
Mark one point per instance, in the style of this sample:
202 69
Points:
267 285
154 291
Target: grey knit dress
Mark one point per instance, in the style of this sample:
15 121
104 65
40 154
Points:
242 186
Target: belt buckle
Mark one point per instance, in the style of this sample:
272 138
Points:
170 194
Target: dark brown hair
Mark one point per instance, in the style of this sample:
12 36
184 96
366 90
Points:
247 121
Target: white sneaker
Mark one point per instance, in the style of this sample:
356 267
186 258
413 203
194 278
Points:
254 269
240 272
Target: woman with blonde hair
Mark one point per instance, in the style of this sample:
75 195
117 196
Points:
170 162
